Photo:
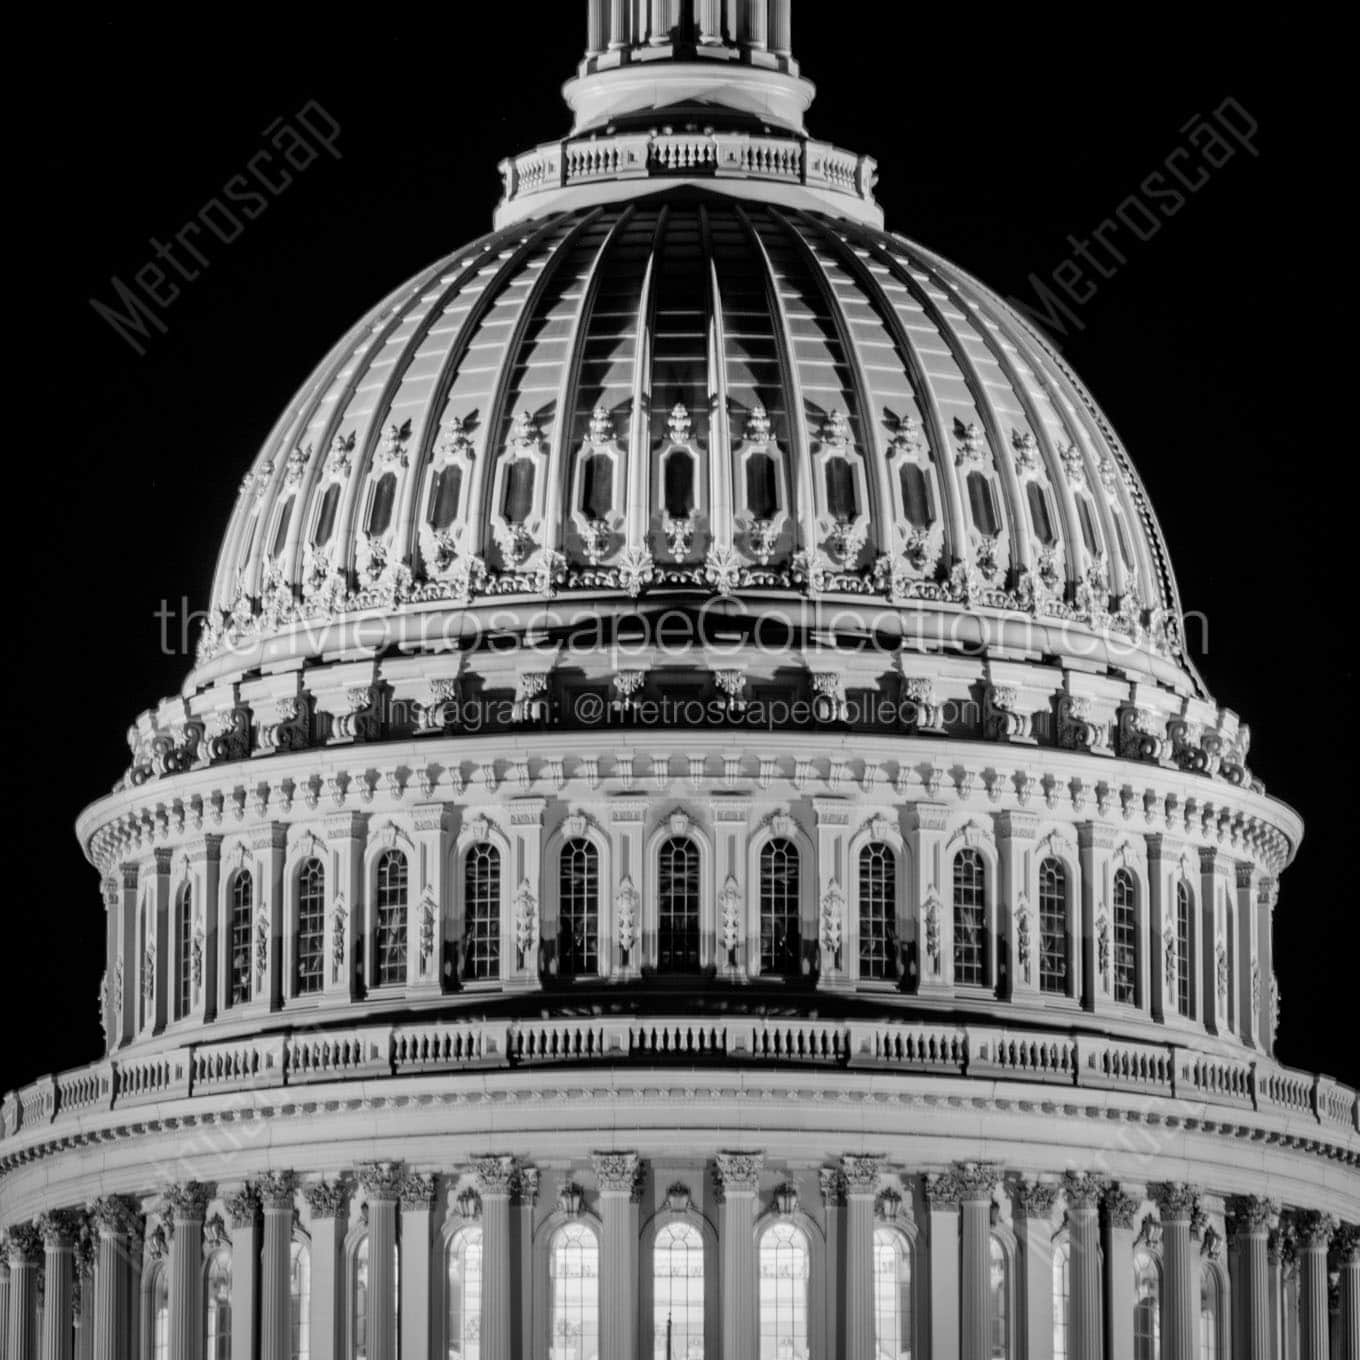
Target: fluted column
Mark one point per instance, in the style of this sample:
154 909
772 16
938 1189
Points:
942 1194
4 1297
739 1182
276 1258
243 1212
1032 1208
1177 1205
976 1181
861 1174
495 1182
1083 1194
328 1205
1248 1233
417 1203
526 1197
1313 1233
1275 1264
25 1246
781 29
381 1184
1120 1211
59 1231
1346 1244
617 1175
831 1180
83 1284
114 1221
186 1205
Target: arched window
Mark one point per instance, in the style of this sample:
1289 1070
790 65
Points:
311 926
1062 1295
1125 939
358 1303
1039 515
518 501
970 919
578 909
300 1303
574 1282
678 484
893 1313
242 909
877 911
463 1295
1208 1314
389 944
1185 909
982 500
1053 926
217 1303
780 950
597 485
840 490
482 912
380 507
184 941
678 1293
677 925
160 1313
917 504
1147 1308
784 1265
445 495
325 516
1000 1280
762 486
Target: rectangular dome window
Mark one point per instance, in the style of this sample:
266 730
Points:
678 484
916 498
983 503
762 495
1088 526
325 519
597 486
1038 513
840 490
519 491
281 529
380 508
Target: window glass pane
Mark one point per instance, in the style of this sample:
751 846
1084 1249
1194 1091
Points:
358 1313
1062 1288
762 494
1122 536
311 926
1184 937
184 926
1208 1317
1053 927
445 495
482 912
679 484
242 911
464 1295
300 1303
983 503
160 1315
840 490
1000 1312
390 921
892 1296
281 530
916 499
1088 525
1147 1333
578 909
783 1265
380 508
574 1270
970 919
877 911
597 485
1038 514
678 1293
780 950
519 491
1125 939
217 1300
325 518
678 906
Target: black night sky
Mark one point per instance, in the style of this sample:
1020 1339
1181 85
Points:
1215 346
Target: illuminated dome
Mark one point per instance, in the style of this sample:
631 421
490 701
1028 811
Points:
692 830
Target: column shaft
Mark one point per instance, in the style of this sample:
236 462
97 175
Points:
23 1307
110 1298
1251 1290
975 1300
186 1288
4 1310
739 1275
382 1279
58 1299
781 32
495 1178
1313 1328
1180 1307
1350 1305
859 1272
1083 1231
276 1281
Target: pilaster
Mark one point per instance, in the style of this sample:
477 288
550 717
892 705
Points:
1164 853
1313 1234
1249 1219
277 1190
1120 1212
128 967
429 928
4 1298
114 1220
1095 841
1018 904
205 867
1214 954
617 1174
738 1176
520 949
836 936
346 835
417 1235
1346 1244
934 930
1267 891
155 878
1083 1194
1250 980
632 935
268 986
832 1183
58 1231
25 1251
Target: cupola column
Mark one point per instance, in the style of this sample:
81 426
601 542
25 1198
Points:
187 1204
495 1178
114 1220
739 1181
58 1231
860 1175
1247 979
1248 1230
1313 1233
243 1214
329 1206
755 31
710 21
1083 1194
1120 1211
276 1198
597 21
942 1194
1177 1205
24 1248
1032 1209
381 1182
781 28
1267 890
417 1206
619 34
617 1175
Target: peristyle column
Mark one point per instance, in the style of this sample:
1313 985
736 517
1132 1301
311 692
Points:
187 1204
59 1231
243 1213
739 1181
276 1261
976 1181
381 1183
1346 1245
1032 1207
328 1204
942 1194
617 1174
25 1247
495 1178
1177 1205
860 1172
1120 1211
417 1204
1083 1194
1313 1234
1249 1219
115 1220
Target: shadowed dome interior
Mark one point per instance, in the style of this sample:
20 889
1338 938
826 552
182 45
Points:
685 391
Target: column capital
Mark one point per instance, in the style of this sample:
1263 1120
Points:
929 816
277 1189
739 1172
1121 1208
380 1180
1033 1199
495 1175
526 1185
187 1201
1017 825
977 1180
243 1206
1248 1214
24 1245
1083 1191
59 1227
1175 1201
327 1199
831 1179
115 1216
418 1190
1346 1244
617 1173
942 1190
1311 1227
861 1171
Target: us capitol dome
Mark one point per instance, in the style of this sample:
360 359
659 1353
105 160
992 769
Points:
692 830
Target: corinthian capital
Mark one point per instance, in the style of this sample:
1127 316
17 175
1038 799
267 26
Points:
243 1206
327 1199
25 1244
1249 1214
115 1216
1121 1208
739 1171
381 1180
417 1190
1176 1202
495 1175
976 1180
1311 1227
1034 1199
276 1189
186 1201
1082 1191
59 1227
860 1172
616 1172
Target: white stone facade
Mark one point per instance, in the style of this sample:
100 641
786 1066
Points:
692 831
